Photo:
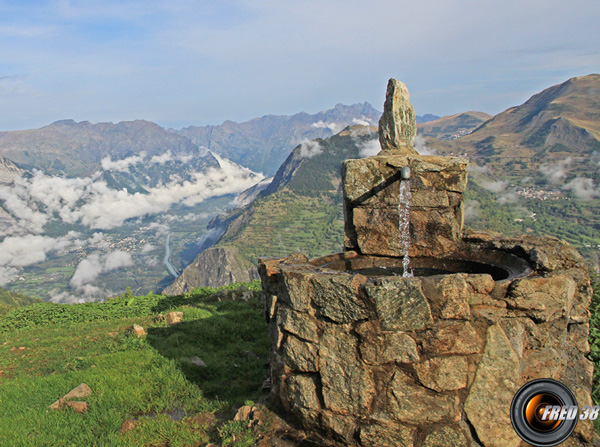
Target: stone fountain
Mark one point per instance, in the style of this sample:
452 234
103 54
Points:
365 356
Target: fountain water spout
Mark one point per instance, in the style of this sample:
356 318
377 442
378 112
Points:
404 221
405 173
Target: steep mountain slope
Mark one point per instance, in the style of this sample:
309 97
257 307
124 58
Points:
300 211
77 149
9 171
560 122
263 144
454 126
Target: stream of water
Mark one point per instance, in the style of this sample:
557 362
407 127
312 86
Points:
404 226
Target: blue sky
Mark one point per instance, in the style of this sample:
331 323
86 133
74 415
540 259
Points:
182 62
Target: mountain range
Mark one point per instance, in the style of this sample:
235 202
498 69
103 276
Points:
87 210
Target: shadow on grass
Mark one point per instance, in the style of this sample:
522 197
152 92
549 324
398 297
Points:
230 337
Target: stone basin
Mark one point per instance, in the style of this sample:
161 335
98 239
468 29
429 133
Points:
499 264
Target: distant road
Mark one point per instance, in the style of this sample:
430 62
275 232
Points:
170 267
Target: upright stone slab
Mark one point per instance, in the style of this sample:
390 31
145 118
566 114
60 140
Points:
397 126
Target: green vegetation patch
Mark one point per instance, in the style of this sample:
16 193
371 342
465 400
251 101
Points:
12 300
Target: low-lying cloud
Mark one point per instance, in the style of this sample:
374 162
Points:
122 165
17 252
363 121
97 264
310 149
472 210
333 127
505 193
34 201
82 283
369 148
421 146
168 156
555 172
583 188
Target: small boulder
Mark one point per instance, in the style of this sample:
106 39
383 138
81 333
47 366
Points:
78 407
138 331
174 318
79 392
128 425
243 413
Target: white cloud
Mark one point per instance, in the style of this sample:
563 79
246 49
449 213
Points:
369 148
122 165
362 121
168 156
163 158
504 192
496 186
87 273
421 146
472 210
21 251
509 196
309 149
333 127
92 203
147 248
8 274
555 172
90 268
583 188
476 170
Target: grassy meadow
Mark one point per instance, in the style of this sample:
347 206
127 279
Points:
48 349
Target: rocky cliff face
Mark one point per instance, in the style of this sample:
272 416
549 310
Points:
213 267
9 171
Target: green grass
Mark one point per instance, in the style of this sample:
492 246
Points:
48 349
